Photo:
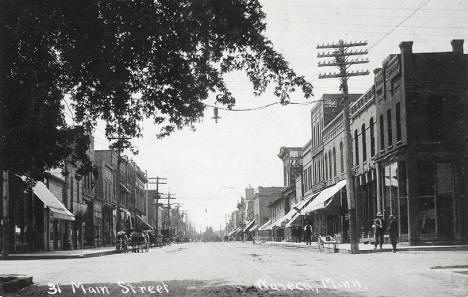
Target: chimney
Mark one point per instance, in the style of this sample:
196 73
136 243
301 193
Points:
457 46
406 47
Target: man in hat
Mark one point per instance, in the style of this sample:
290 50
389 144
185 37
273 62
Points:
308 233
393 231
379 230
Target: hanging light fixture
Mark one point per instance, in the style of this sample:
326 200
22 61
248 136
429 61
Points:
215 116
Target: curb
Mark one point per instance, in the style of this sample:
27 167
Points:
54 257
13 282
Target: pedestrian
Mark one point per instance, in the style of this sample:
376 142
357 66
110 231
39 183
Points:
308 233
393 231
379 230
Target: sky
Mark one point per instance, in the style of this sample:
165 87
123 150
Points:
208 169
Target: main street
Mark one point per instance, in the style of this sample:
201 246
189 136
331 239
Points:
245 269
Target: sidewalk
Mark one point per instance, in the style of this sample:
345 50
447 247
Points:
70 254
301 245
368 248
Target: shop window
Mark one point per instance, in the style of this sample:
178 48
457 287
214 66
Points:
398 121
389 127
394 191
445 196
372 136
356 146
364 148
426 201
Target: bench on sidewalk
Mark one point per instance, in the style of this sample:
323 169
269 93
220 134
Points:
370 239
327 241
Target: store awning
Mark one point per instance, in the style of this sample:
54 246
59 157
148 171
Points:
249 225
292 215
265 226
51 202
324 198
125 188
255 227
145 224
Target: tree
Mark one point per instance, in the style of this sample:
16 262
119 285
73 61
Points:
123 61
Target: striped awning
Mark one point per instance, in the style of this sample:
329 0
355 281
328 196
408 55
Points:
56 207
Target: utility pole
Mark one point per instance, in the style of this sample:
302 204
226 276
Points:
159 181
341 53
119 145
169 197
5 215
178 217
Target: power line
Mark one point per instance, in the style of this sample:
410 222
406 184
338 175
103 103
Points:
261 107
400 23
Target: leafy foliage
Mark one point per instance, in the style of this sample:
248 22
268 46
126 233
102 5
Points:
122 61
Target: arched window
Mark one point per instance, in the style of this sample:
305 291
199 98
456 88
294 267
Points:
356 146
372 137
334 161
364 144
330 163
341 158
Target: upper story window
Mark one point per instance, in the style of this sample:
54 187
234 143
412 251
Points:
326 166
389 127
398 121
341 158
356 146
382 133
364 144
372 136
334 161
330 163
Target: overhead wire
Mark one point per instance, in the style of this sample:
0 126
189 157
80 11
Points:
399 24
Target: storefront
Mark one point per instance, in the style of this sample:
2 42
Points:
38 218
435 203
328 212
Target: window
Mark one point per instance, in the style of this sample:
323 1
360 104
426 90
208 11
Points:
309 176
398 121
341 158
389 127
326 166
372 137
334 161
382 135
330 163
356 146
77 190
304 175
364 144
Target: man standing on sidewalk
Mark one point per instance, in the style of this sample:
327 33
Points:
393 231
378 230
308 233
